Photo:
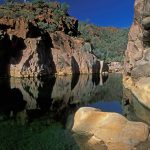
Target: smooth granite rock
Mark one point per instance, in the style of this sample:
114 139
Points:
112 131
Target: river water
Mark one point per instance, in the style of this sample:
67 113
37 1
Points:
34 113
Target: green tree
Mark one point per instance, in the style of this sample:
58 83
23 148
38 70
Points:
108 43
65 7
9 1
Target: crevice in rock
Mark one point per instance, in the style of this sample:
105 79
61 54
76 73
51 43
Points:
33 32
10 52
4 27
5 54
17 48
74 66
45 55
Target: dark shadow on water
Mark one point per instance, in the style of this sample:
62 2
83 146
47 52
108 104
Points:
11 101
62 95
44 100
96 68
99 79
44 104
74 80
96 78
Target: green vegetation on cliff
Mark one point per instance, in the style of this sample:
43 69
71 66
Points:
107 43
46 15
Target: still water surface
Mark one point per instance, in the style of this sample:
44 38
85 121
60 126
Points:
34 112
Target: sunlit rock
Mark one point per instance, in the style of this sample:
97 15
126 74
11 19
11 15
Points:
107 130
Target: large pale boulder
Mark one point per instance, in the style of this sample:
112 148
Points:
96 129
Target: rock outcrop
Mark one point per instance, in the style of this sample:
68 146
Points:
137 54
133 109
137 61
40 39
109 131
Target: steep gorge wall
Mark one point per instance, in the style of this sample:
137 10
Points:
137 61
33 51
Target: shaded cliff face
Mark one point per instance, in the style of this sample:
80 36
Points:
137 63
40 39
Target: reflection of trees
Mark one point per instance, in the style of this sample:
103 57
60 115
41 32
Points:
61 91
64 94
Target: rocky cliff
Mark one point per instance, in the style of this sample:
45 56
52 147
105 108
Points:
137 62
40 39
137 54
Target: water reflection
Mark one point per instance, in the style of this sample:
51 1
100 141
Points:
61 94
11 101
36 109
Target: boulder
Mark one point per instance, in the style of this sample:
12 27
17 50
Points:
146 23
106 130
141 71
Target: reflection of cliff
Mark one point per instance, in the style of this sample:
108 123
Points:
33 90
68 90
11 100
55 96
29 89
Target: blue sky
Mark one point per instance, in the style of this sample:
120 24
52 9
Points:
118 13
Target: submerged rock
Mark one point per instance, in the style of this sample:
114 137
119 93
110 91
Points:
96 129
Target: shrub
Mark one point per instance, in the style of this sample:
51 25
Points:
52 27
108 43
1 14
47 27
65 7
58 14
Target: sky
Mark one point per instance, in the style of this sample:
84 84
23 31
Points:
117 13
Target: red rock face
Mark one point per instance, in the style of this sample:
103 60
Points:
37 52
57 53
71 56
137 62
